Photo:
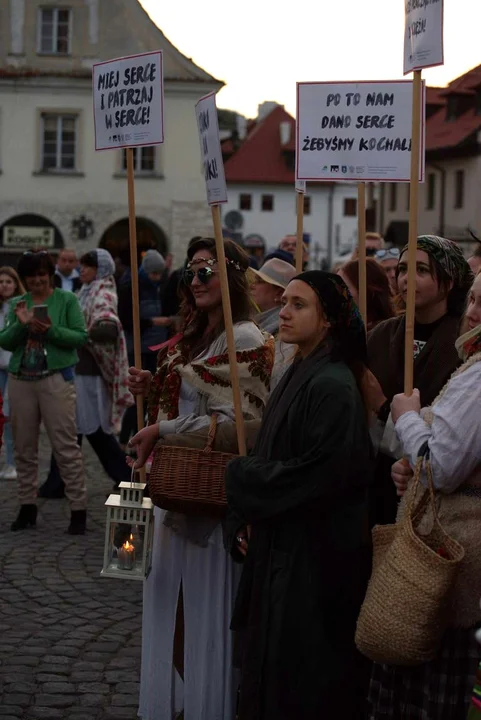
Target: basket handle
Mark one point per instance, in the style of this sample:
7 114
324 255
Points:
432 493
211 435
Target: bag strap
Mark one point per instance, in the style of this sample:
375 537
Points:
211 435
414 511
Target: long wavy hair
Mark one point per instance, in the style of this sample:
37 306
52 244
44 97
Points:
195 321
379 304
13 275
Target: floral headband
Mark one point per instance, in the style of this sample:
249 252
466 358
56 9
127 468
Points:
212 261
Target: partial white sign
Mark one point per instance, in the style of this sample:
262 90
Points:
301 186
207 122
128 101
423 34
24 236
356 131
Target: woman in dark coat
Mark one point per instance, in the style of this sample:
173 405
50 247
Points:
302 494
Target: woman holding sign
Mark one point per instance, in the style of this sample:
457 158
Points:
443 278
303 493
191 384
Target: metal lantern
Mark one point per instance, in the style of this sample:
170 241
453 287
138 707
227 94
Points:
129 533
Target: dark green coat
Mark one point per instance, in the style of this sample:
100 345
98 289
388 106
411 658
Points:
303 491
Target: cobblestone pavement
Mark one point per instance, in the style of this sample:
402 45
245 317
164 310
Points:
69 639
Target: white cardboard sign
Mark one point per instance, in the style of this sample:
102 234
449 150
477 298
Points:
423 34
208 125
128 101
356 131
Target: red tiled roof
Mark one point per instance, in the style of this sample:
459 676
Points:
434 96
441 134
261 157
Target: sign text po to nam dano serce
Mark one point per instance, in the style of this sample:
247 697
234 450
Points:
356 131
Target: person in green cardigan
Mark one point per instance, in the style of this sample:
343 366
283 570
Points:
297 518
43 330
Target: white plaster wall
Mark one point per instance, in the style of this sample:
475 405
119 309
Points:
20 151
273 226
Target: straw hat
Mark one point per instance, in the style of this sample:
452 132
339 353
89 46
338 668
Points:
276 272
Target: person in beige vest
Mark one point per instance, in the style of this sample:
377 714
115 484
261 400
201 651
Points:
450 430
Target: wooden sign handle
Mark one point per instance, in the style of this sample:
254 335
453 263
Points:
134 268
361 244
299 231
229 328
413 234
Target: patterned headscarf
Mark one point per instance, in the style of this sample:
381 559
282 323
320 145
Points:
449 256
347 327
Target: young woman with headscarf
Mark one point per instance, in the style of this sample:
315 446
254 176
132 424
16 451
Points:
443 279
302 494
101 373
450 431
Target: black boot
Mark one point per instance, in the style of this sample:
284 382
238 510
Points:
27 516
78 522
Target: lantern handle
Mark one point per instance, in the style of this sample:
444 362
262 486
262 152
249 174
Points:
132 475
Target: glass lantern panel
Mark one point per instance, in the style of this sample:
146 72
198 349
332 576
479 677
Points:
126 550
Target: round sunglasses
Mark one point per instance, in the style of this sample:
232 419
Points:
388 254
203 274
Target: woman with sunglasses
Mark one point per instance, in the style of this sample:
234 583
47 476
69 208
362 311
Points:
190 590
44 329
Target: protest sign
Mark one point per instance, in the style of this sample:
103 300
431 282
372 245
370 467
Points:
207 122
128 101
423 34
356 131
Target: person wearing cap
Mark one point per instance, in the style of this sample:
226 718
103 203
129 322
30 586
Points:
389 259
269 284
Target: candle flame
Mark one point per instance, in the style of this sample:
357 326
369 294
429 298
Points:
128 546
131 537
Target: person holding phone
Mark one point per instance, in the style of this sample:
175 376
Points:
43 330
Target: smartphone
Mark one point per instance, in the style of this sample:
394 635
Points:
40 312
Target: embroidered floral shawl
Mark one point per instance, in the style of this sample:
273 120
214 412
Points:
100 305
211 377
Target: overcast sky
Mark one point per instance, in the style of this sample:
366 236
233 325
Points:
261 48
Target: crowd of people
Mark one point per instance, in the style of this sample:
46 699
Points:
254 617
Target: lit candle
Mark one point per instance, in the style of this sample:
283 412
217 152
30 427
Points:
126 556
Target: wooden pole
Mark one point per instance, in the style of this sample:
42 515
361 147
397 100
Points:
229 328
299 231
134 267
361 244
413 234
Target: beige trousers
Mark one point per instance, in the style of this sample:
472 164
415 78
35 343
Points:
51 401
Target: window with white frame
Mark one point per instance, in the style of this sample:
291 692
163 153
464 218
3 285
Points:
144 159
54 30
59 142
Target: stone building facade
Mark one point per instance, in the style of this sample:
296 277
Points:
55 190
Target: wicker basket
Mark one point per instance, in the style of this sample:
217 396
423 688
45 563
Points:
190 480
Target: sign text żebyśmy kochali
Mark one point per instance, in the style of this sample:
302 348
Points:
127 97
363 121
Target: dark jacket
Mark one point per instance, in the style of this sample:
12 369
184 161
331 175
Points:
303 492
76 284
150 306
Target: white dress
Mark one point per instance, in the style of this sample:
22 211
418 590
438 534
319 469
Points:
209 580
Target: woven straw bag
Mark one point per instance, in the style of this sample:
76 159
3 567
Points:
190 480
402 619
